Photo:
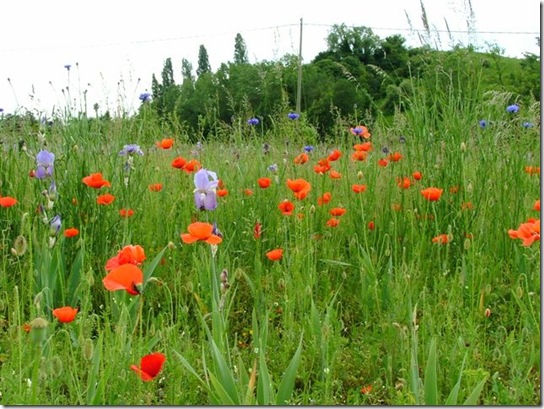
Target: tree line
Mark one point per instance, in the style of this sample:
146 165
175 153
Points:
359 75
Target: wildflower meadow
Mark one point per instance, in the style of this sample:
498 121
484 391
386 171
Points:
396 261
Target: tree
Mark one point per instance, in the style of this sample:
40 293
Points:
203 61
167 74
240 50
186 70
360 42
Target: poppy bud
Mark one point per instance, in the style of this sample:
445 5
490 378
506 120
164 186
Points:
487 313
88 349
39 329
171 245
359 175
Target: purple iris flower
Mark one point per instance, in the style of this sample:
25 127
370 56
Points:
55 224
44 164
145 97
292 115
130 150
513 109
253 121
205 187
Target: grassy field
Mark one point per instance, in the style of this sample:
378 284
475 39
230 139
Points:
409 270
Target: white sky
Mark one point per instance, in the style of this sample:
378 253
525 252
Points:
113 40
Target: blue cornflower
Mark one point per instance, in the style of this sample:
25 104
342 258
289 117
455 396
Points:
253 121
44 164
308 148
273 168
67 66
1 110
205 188
527 125
483 123
145 97
293 115
130 150
513 109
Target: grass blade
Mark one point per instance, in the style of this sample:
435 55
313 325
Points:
287 384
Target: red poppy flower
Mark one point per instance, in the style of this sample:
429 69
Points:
432 193
335 175
528 232
275 254
383 162
264 182
360 131
404 183
248 192
300 187
301 159
130 254
363 147
166 143
466 206
337 211
222 192
286 207
126 277
334 155
192 166
323 166
417 175
65 314
71 232
324 199
358 188
333 222
532 170
105 199
441 239
96 181
7 201
365 390
179 163
359 156
126 212
371 225
200 231
536 206
395 157
155 187
150 366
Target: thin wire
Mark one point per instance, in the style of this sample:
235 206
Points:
208 35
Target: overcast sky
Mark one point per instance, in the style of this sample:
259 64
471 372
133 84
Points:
111 42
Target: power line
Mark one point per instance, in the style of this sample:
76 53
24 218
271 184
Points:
276 27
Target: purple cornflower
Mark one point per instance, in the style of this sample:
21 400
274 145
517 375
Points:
527 125
308 148
67 66
293 115
44 164
205 188
145 97
512 109
130 150
253 121
483 123
273 168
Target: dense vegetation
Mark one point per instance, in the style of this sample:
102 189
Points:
381 246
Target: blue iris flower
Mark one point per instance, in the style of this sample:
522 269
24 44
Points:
130 150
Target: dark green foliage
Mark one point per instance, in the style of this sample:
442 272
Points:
240 50
203 61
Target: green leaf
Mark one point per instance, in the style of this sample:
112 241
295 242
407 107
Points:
75 275
287 384
150 268
224 373
452 398
475 394
93 376
431 387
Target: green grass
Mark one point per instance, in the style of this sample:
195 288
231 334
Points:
346 307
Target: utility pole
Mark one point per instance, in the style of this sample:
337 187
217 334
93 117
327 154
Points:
299 80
